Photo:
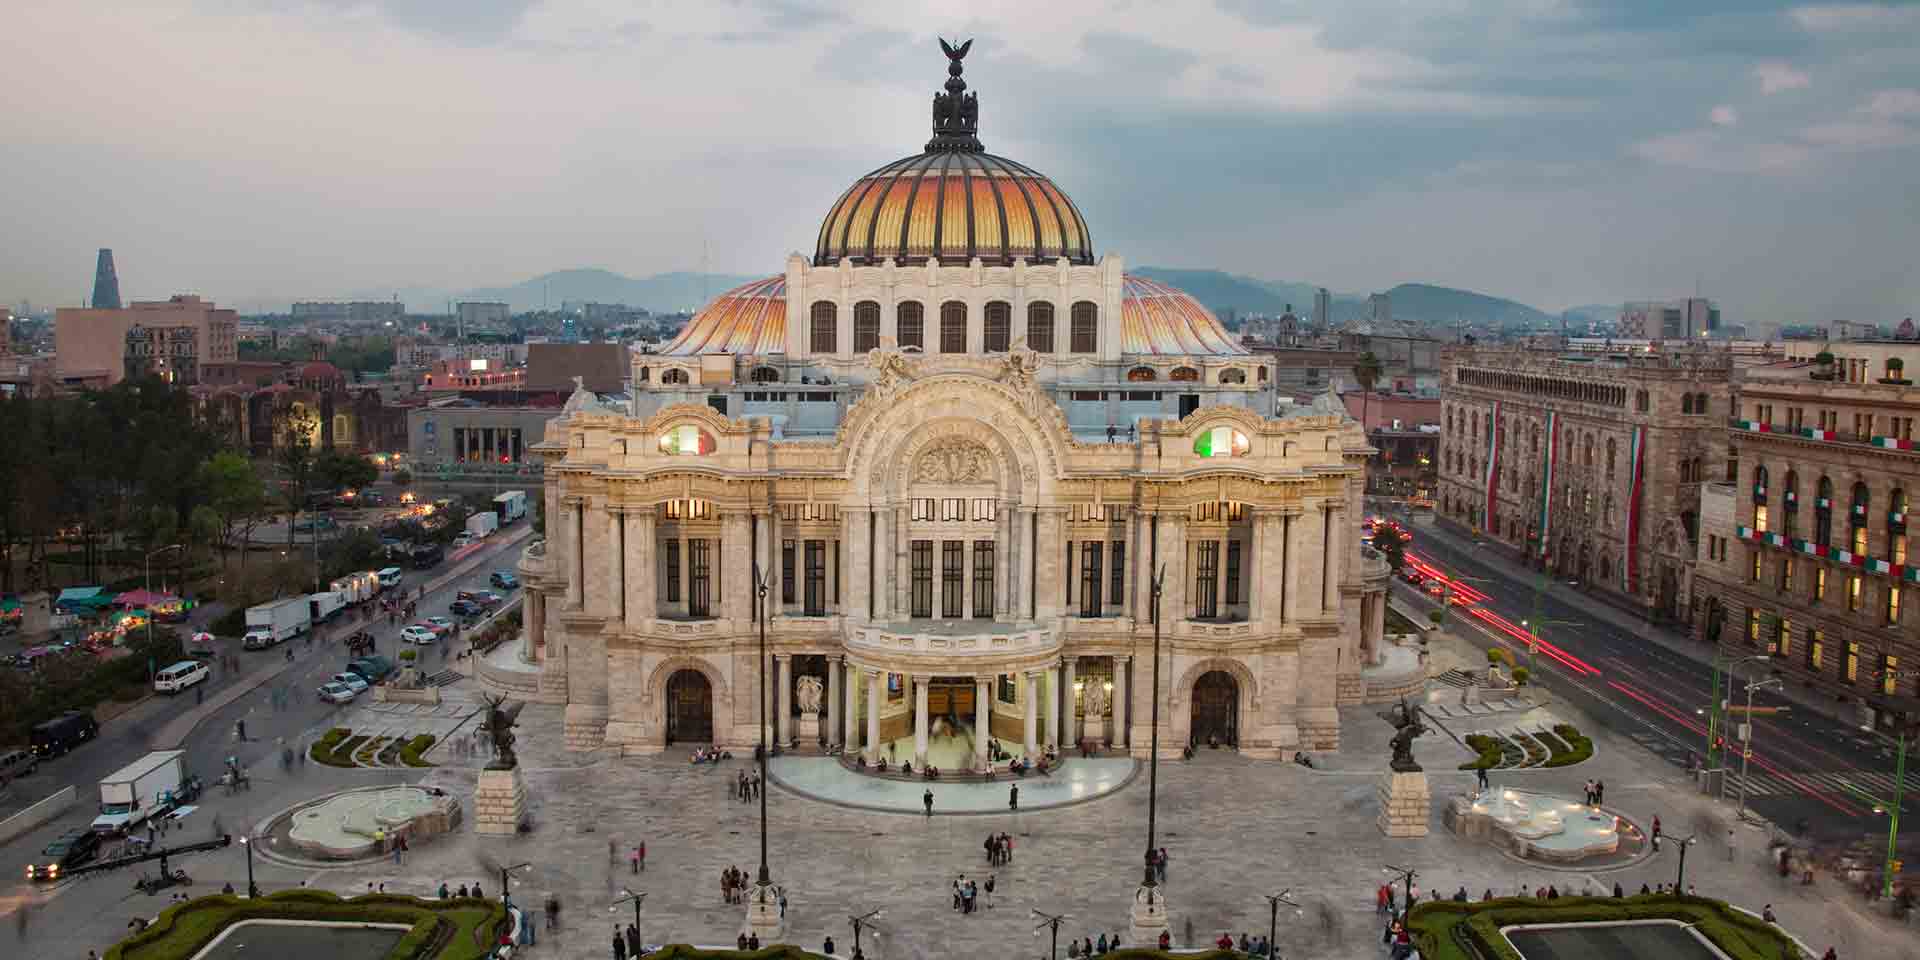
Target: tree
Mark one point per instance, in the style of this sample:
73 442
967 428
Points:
294 432
335 471
204 528
1366 372
237 495
1391 545
403 478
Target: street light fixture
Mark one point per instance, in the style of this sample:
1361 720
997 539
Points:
154 553
1274 900
1533 634
253 890
1406 876
1717 709
1680 879
1746 739
860 923
765 896
627 895
1153 755
1051 921
505 878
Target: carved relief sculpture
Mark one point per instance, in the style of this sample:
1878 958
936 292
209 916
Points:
807 692
954 460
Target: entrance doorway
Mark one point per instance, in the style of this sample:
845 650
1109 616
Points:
689 707
1216 710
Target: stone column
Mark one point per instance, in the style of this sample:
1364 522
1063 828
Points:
1335 568
982 721
1003 565
1144 565
851 717
1049 587
764 555
1032 700
737 543
641 605
1173 553
783 698
775 606
573 554
1021 565
857 600
616 563
1053 706
536 621
902 584
874 700
1071 732
833 700
1118 732
920 721
880 554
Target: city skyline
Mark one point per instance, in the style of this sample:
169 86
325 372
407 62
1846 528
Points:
1557 155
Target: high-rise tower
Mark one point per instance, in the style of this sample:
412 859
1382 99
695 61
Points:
106 284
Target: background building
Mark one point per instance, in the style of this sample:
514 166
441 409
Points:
356 313
1588 466
481 315
184 336
106 283
1805 553
1669 320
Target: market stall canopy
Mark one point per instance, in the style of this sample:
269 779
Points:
145 598
87 598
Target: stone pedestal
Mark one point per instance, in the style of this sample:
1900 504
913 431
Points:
763 914
809 730
1404 804
1094 730
499 802
36 616
1148 916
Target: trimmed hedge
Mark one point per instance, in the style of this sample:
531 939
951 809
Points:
1581 746
410 754
1489 750
680 951
440 929
322 749
1446 930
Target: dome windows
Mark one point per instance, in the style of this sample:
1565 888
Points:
912 326
1142 375
1184 375
825 333
953 327
673 377
999 326
866 326
1222 442
1234 375
686 440
1086 328
1040 326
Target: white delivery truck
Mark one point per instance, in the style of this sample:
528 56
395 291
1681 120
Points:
356 587
510 506
321 607
140 791
277 621
482 525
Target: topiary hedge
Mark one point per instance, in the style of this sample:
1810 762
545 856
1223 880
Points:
1580 746
1446 930
322 749
452 929
1487 747
410 754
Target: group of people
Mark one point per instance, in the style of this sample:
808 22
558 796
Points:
966 893
1157 859
733 885
1596 793
463 892
747 787
999 847
626 943
1252 946
709 755
1089 947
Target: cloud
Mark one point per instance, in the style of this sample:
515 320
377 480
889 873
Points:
1849 17
1723 116
1775 77
1893 103
1714 152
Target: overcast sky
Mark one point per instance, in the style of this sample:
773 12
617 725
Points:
1559 153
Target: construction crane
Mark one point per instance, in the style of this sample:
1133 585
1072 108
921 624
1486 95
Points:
167 878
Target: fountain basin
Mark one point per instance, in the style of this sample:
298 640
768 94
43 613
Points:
360 824
1535 825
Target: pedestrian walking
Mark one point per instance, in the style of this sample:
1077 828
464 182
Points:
1656 833
989 889
553 912
1599 793
1382 900
1013 797
1730 844
619 944
633 940
927 801
1481 775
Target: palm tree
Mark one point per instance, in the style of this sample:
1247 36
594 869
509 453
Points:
1366 371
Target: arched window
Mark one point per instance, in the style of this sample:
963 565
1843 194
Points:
764 375
1142 375
1221 442
1686 403
953 327
686 440
1857 516
1823 514
910 328
1611 454
826 323
866 326
1897 527
1086 328
1233 375
1184 375
999 326
674 377
1789 501
1586 451
1040 326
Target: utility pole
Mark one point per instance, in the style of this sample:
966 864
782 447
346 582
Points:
1746 740
1274 900
860 923
1053 922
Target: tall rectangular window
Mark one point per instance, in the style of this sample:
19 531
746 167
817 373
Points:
952 585
1889 673
866 326
826 327
1086 328
953 327
998 326
1819 584
1853 591
1206 579
1040 326
1816 648
1853 661
1117 564
787 572
1233 571
700 571
1786 574
671 557
1753 627
1753 571
1782 637
983 561
1090 579
1893 604
910 327
1760 517
922 602
816 597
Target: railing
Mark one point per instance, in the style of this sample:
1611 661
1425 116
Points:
1010 643
1817 435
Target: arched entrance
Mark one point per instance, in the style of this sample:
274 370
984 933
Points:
1716 618
1216 709
1669 599
689 707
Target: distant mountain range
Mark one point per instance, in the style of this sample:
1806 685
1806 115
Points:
1419 304
660 293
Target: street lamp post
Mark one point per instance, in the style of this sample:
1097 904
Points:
764 912
1446 592
154 553
1274 900
1053 922
1680 879
505 876
253 891
1404 875
1153 756
1716 708
1533 634
627 895
860 923
1746 740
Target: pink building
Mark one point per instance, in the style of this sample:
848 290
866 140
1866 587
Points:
184 337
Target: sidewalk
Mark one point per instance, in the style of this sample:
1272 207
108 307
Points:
1601 609
177 730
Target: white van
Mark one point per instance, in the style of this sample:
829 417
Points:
390 577
180 676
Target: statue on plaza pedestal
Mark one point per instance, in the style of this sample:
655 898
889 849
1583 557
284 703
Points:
808 691
500 723
1407 722
1096 699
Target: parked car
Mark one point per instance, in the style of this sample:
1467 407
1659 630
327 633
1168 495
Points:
69 850
373 669
462 540
17 763
354 680
504 580
465 608
418 634
487 599
439 625
335 692
1413 576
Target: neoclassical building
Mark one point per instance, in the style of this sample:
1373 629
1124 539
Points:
958 446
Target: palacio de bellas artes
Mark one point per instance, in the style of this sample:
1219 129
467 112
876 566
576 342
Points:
958 448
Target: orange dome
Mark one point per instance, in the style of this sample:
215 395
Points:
954 206
750 319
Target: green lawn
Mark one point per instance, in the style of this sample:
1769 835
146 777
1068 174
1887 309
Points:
184 929
1439 927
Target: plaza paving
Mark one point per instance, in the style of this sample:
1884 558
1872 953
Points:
1235 830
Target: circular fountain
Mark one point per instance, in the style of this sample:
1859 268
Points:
357 824
1536 825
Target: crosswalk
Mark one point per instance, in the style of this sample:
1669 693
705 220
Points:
1840 783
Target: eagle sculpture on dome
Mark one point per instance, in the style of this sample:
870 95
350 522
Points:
955 55
956 113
